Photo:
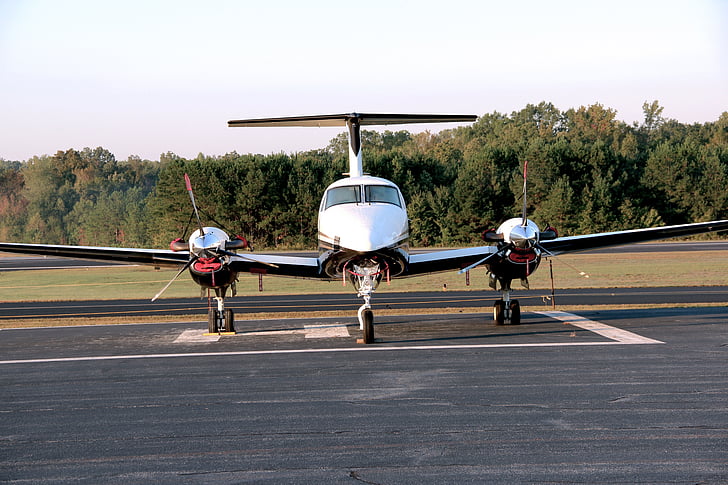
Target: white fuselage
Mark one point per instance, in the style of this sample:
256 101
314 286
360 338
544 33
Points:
363 216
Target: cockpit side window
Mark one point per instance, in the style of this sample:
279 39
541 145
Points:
350 194
382 194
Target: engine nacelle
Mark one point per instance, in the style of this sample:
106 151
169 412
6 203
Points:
238 242
212 273
548 234
179 244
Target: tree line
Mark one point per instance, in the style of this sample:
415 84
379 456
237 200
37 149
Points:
588 172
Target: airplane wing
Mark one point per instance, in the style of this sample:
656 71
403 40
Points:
436 261
278 265
155 257
446 260
296 266
618 238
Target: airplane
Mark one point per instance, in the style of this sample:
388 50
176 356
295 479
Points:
363 237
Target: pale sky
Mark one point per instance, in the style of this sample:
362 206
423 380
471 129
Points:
144 77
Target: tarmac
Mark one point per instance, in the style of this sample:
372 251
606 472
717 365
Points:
617 396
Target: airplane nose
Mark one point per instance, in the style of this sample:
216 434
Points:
365 229
367 239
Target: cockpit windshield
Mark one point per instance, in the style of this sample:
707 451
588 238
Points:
373 194
350 194
382 193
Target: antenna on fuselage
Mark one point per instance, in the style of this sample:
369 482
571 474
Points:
354 122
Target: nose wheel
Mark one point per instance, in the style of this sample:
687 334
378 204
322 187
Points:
366 323
220 319
507 311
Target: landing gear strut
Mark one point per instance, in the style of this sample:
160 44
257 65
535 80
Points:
366 277
506 310
220 320
366 321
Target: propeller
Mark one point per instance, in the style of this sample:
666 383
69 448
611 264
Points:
225 252
216 249
556 258
188 184
522 236
524 222
501 252
187 265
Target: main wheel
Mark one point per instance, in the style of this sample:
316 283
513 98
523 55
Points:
229 320
499 312
211 321
515 312
368 333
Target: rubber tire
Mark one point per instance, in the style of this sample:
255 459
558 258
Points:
515 312
229 320
368 332
499 312
211 323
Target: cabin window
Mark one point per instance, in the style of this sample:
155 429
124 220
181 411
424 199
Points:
350 194
382 194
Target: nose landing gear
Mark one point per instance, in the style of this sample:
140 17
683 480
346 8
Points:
365 277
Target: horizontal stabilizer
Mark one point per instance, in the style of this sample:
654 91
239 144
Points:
362 118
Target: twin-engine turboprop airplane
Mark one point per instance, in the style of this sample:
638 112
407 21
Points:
363 237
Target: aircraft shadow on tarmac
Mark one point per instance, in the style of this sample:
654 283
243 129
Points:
466 327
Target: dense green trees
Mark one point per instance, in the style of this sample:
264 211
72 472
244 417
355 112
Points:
588 172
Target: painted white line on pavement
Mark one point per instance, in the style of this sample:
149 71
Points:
613 333
300 351
616 336
326 330
195 336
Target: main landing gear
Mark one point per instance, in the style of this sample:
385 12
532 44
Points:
505 309
220 319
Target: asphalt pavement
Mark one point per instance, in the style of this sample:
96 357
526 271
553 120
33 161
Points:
621 396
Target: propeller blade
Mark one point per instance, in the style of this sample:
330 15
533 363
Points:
525 179
187 265
552 255
219 251
188 184
485 259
